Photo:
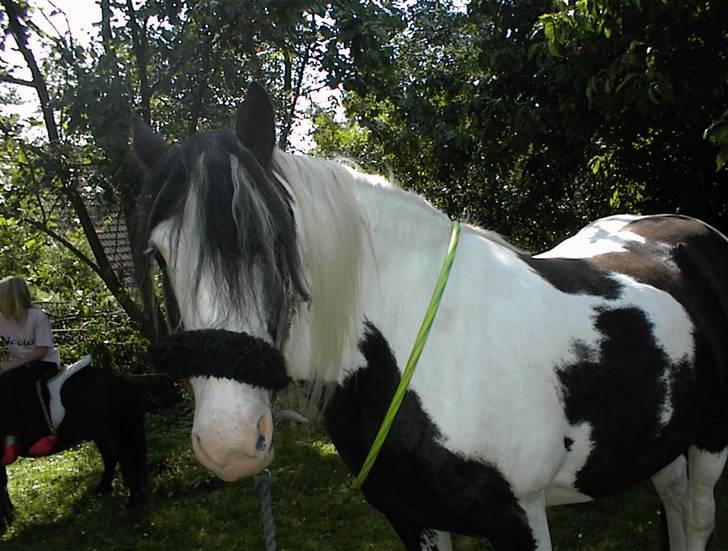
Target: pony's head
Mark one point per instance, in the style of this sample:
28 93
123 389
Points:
221 226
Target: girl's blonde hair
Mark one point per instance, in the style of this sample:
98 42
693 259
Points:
14 298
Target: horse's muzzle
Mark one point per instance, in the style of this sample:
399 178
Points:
232 431
231 459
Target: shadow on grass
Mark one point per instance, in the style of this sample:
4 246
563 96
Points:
188 508
314 506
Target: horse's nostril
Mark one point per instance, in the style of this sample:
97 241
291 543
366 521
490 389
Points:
264 427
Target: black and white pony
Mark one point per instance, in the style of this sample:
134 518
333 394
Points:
548 379
99 405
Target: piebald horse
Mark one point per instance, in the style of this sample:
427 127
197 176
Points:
548 379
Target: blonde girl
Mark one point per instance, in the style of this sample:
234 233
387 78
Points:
26 333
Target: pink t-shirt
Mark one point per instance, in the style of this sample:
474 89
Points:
20 339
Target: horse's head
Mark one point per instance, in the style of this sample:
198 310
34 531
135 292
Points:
222 228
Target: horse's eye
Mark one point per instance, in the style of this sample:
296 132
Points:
152 253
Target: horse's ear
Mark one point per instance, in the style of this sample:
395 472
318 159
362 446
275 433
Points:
148 145
256 125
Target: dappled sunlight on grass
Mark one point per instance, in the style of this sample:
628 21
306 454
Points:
314 505
324 448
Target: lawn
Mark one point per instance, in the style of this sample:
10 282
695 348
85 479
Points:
313 504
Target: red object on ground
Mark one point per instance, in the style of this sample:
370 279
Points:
10 453
44 445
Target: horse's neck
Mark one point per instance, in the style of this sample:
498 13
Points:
402 245
409 245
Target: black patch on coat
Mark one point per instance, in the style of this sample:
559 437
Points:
575 276
626 375
688 260
618 389
568 443
223 354
416 482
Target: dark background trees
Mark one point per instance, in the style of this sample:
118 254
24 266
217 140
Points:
530 118
535 117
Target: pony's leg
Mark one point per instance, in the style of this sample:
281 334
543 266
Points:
704 471
6 510
671 484
535 508
133 460
6 506
110 456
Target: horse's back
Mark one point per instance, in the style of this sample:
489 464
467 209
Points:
96 399
680 256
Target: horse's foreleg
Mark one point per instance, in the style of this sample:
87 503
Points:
535 508
705 469
110 456
671 484
133 460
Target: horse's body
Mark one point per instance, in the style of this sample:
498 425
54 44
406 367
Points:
551 379
100 406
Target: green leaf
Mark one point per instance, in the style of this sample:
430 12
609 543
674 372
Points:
717 133
595 164
721 158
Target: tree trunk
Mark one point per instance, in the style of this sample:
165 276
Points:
103 267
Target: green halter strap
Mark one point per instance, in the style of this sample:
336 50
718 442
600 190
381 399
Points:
413 358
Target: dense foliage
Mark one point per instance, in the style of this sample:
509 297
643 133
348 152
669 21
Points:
534 117
529 117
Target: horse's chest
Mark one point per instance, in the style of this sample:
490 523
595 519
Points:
415 476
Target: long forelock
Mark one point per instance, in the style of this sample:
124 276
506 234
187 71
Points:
243 218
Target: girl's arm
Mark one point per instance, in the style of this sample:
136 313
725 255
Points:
37 353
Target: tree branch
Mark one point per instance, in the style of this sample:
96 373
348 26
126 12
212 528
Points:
295 95
19 32
41 227
19 81
139 46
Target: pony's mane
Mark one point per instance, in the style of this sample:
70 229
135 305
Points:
332 235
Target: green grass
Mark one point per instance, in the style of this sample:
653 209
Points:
313 504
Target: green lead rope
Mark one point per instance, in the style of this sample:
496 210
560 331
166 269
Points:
413 358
